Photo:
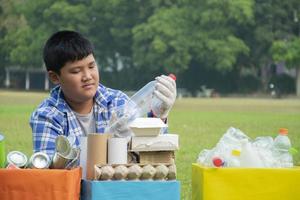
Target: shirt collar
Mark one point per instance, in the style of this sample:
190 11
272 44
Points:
60 102
102 98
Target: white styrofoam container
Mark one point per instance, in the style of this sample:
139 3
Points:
147 126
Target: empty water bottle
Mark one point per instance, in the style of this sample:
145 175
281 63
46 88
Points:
142 102
249 156
282 141
264 148
203 155
282 145
146 101
231 140
234 158
218 161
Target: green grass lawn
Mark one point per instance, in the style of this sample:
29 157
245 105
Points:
199 122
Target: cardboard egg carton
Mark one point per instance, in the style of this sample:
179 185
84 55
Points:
137 171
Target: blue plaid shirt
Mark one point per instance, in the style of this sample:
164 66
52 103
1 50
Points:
54 117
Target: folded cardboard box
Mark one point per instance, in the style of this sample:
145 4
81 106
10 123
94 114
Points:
40 184
162 142
147 126
133 190
157 157
245 183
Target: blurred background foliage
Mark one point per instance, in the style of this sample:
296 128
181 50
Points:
230 46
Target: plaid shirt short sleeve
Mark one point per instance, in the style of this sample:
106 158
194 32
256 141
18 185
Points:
46 126
54 117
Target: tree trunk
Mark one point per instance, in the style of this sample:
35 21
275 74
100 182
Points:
298 81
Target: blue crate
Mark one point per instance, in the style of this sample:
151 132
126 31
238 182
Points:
130 190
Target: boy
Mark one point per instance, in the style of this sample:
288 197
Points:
79 105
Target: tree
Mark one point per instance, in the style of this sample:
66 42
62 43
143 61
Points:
273 21
289 52
286 46
192 30
10 21
41 19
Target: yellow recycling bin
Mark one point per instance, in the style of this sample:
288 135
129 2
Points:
245 183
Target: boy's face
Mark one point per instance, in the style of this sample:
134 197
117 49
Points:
78 80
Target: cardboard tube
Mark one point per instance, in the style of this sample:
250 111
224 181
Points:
83 155
96 152
117 151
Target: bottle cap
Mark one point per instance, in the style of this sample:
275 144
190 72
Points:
172 76
283 131
218 162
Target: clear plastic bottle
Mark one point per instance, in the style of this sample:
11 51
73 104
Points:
202 157
249 156
221 155
227 160
234 159
264 147
282 145
145 100
139 105
218 161
282 141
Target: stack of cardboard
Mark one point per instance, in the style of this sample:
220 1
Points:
154 153
152 145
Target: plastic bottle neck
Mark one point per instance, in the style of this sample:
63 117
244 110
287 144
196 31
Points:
283 131
172 76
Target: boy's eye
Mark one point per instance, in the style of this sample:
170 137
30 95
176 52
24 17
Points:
92 66
75 71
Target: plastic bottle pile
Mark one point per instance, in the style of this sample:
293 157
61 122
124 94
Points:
235 149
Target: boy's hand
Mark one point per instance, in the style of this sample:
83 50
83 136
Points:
166 92
119 126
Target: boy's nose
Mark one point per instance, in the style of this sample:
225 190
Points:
86 76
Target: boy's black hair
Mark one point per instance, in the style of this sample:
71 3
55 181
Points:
63 47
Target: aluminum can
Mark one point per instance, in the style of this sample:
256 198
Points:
39 160
61 161
62 145
2 151
64 153
17 158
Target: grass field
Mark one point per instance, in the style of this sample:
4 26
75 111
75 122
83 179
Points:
199 122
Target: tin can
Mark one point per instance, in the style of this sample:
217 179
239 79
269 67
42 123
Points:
75 161
39 160
17 158
2 151
61 161
62 145
64 153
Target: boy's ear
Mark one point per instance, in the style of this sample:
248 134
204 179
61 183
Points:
54 77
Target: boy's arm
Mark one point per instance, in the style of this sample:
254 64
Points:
45 129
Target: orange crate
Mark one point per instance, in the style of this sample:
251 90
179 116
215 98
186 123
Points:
44 184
